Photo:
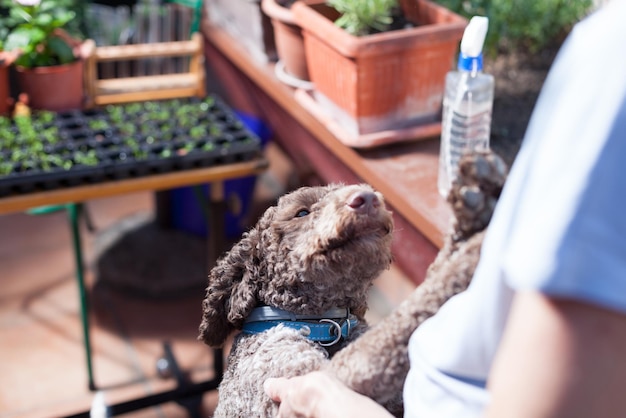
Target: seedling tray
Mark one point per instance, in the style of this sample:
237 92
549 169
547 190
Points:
54 150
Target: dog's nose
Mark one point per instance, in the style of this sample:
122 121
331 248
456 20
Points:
362 201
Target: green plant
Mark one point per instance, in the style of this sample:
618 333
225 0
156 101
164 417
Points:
50 135
37 31
133 108
45 116
7 135
49 161
362 17
4 31
98 124
188 147
27 134
135 148
116 113
128 128
215 130
529 25
88 158
198 132
5 168
207 103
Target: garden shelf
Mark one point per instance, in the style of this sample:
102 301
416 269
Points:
55 150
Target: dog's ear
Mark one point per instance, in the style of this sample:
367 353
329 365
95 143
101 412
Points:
231 292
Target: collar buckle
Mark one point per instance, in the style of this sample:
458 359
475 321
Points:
338 332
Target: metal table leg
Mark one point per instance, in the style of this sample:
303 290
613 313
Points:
186 393
74 211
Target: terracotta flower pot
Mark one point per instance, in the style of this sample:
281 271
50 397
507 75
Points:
384 81
288 39
56 88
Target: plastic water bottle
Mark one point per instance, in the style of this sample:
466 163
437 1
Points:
467 105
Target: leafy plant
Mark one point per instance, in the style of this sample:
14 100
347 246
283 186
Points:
50 135
49 161
362 17
186 149
128 128
135 148
4 31
198 132
27 134
45 116
215 130
36 30
86 157
207 103
133 108
116 113
5 168
98 124
529 25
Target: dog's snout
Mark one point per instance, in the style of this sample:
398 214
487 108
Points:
363 201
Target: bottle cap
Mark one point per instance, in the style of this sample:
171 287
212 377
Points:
470 58
467 63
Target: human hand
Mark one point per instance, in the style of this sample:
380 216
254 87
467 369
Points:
319 394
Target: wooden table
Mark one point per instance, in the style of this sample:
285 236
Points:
215 175
405 173
163 181
70 195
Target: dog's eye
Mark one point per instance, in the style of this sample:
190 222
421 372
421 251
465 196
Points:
302 212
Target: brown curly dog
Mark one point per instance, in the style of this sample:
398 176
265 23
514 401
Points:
296 285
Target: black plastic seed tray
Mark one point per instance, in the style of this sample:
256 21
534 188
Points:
55 150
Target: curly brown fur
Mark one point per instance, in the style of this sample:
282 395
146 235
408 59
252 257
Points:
319 248
377 363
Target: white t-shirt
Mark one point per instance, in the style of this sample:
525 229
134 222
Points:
559 227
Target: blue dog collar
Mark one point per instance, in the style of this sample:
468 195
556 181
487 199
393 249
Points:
326 329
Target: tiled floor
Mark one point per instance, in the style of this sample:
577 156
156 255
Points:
42 362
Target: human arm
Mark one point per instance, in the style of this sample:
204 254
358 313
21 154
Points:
319 394
559 358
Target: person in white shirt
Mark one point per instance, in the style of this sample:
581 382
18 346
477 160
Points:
541 330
